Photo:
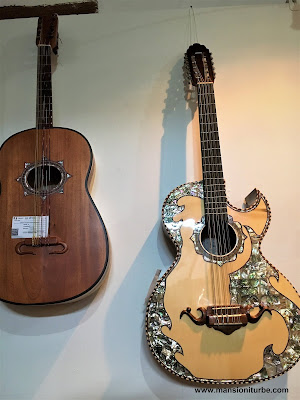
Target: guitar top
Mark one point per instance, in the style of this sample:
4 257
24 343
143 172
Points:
221 313
54 245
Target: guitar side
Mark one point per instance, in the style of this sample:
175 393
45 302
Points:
48 276
202 354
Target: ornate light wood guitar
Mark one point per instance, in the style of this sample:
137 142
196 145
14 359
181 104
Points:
53 243
221 313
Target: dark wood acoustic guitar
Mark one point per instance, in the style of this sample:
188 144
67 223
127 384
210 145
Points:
53 243
221 314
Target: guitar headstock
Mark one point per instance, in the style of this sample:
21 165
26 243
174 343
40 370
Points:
199 65
47 32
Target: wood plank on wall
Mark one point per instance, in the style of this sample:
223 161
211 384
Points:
25 9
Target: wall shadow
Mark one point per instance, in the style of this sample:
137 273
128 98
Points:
127 310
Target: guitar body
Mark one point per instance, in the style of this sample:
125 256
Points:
71 261
188 347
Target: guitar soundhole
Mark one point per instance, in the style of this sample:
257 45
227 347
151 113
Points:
44 178
218 239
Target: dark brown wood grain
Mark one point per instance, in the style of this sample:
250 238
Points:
45 278
11 12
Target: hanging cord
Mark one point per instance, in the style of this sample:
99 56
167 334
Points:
191 30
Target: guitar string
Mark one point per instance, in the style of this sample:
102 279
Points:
218 203
211 223
227 243
227 246
46 133
49 125
205 148
223 242
42 139
212 204
42 200
209 217
43 125
222 220
42 143
209 214
213 197
41 122
36 149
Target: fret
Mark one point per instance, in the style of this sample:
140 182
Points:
212 149
209 140
211 172
213 161
216 200
208 104
214 171
206 95
215 184
216 213
211 113
212 164
215 197
208 123
215 207
212 132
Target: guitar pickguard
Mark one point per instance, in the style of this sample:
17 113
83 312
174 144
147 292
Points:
250 285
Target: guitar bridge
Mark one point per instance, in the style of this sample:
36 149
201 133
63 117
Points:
40 242
226 319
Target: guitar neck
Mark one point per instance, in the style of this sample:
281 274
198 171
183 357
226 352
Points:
215 201
44 117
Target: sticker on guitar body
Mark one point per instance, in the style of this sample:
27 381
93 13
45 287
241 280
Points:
30 226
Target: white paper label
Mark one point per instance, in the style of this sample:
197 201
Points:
28 227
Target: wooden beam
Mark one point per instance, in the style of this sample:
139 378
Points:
63 8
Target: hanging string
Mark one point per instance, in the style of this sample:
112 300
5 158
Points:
192 35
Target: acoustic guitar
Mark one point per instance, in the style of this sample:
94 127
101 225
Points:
221 313
53 243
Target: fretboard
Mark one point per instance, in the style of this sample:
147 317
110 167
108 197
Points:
215 202
44 88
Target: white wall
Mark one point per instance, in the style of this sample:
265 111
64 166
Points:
119 82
